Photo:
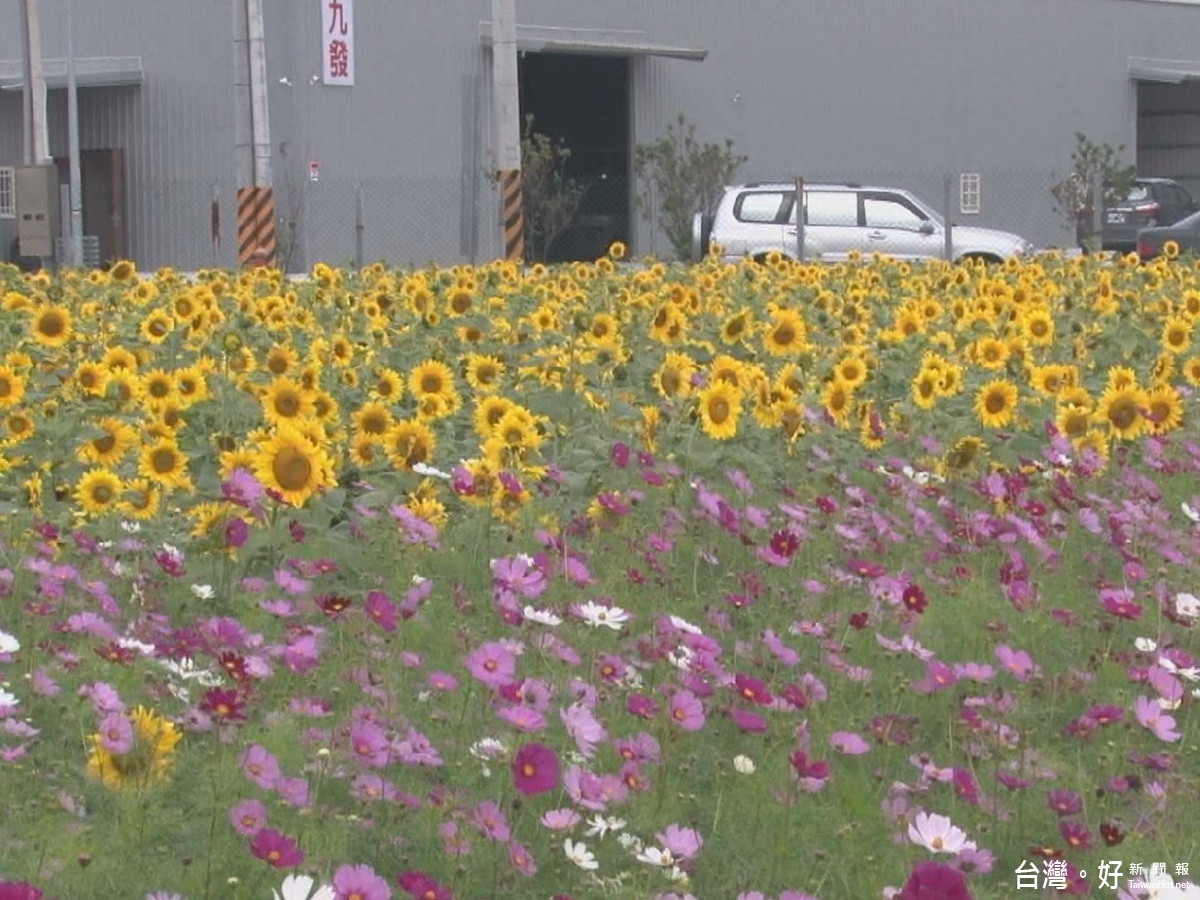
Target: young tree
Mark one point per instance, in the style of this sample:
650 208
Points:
688 177
551 199
1073 195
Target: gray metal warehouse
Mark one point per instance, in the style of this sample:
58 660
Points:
391 158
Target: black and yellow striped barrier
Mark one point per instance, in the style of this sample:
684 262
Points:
513 215
257 240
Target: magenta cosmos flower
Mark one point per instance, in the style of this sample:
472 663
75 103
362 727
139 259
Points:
687 711
275 849
535 769
18 890
360 883
934 881
492 664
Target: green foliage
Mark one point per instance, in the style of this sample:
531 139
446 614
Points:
1073 195
687 176
551 197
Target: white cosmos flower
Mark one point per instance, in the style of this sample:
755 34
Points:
486 748
684 625
9 643
203 591
629 841
7 699
1146 645
131 527
1187 605
743 765
600 826
141 647
1190 511
681 657
656 856
298 887
938 834
578 853
542 616
423 469
609 616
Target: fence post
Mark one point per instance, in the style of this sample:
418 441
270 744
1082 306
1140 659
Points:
359 226
800 220
1097 238
947 207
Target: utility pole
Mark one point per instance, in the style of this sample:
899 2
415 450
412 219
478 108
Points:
34 84
507 117
75 233
257 239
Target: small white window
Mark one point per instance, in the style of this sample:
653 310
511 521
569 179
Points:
968 193
8 194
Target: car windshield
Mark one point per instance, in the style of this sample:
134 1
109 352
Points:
1138 192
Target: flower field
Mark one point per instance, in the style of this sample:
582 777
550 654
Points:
764 582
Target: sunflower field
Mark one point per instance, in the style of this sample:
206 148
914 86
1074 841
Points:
607 579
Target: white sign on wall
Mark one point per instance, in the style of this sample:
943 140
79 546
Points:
337 42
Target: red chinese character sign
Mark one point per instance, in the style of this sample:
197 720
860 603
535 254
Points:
337 42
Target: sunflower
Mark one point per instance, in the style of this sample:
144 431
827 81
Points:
737 327
148 762
1119 377
484 373
1073 422
852 370
729 370
110 447
1191 371
191 385
91 378
1038 327
409 442
964 453
1121 409
164 463
925 388
990 353
459 300
388 386
122 270
431 377
156 327
120 358
19 426
785 335
517 430
837 398
281 360
649 430
1177 334
720 404
1048 380
290 464
673 378
995 403
12 387
791 378
98 491
668 325
365 451
158 387
488 412
1164 409
285 400
602 328
51 325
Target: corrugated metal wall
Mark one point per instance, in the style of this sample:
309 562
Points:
900 91
1169 132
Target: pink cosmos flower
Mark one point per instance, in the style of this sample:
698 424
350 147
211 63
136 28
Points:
491 821
369 743
523 718
275 849
583 728
293 791
849 743
748 722
260 767
492 664
248 817
442 681
360 883
561 819
1152 717
116 733
381 610
684 843
535 769
1017 663
686 710
938 677
420 886
521 860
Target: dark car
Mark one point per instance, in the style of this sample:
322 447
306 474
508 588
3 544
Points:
1151 202
1185 233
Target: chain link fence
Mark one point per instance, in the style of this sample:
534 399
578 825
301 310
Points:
417 221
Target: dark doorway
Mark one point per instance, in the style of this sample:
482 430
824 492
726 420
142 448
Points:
585 102
102 183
